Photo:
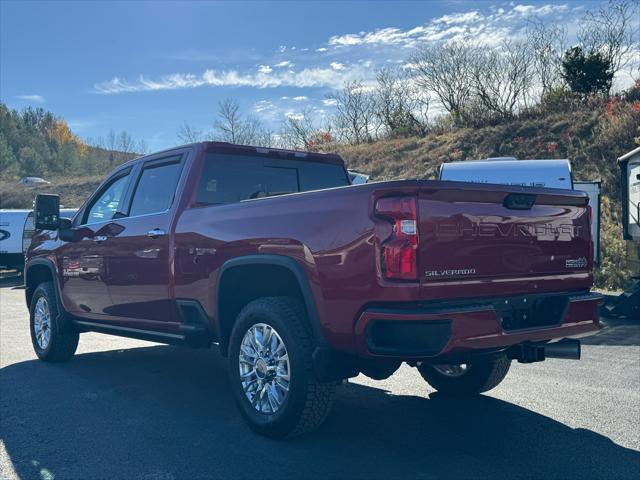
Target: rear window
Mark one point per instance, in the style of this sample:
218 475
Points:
233 178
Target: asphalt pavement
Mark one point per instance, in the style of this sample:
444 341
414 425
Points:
128 409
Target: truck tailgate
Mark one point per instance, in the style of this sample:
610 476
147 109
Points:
480 233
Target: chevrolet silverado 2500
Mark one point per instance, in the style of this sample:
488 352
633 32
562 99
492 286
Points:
304 280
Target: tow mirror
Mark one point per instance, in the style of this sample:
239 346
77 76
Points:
47 212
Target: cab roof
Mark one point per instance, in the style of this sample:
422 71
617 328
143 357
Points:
248 150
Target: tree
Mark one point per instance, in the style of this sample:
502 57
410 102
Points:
612 32
502 78
233 127
445 69
229 123
125 143
298 130
547 43
31 163
8 162
586 72
68 158
400 106
188 134
355 113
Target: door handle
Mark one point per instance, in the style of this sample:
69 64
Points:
99 238
156 232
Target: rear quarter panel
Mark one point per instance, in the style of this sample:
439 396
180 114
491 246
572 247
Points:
331 234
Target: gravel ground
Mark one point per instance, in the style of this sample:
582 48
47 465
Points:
127 409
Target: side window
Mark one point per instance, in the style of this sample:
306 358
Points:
233 179
156 188
106 205
316 176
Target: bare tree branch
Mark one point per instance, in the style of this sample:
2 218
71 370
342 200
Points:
355 113
445 70
189 134
612 31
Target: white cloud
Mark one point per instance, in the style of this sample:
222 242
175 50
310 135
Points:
263 106
487 28
294 115
31 98
264 69
284 63
307 77
330 102
321 49
301 98
337 65
540 10
463 17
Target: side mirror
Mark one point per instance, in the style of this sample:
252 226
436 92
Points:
65 231
47 212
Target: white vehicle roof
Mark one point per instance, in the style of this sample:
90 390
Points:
510 171
357 178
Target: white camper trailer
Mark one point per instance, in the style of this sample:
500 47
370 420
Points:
510 171
357 178
628 303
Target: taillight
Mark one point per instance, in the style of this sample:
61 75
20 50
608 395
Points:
399 251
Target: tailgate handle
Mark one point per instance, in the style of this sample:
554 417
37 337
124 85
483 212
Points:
519 201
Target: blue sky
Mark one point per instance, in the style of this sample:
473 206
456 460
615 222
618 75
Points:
147 67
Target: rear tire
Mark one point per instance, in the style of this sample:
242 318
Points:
480 376
54 339
277 413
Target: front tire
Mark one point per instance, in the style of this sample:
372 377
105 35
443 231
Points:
53 339
466 379
271 371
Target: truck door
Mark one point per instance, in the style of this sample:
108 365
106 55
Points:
137 252
84 277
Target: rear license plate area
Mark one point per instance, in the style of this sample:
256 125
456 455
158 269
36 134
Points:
530 312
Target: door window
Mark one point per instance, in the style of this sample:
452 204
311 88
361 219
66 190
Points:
106 205
156 188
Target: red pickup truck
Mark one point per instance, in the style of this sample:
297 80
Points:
304 280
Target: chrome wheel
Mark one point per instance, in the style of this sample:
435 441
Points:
452 370
42 323
264 368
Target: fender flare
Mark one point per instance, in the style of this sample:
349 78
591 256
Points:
39 261
295 268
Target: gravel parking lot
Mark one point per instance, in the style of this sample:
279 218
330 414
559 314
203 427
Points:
127 409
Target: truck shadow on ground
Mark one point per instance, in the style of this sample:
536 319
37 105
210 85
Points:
165 412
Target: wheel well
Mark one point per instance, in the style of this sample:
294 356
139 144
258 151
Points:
36 275
241 284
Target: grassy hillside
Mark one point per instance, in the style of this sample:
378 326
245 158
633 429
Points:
72 190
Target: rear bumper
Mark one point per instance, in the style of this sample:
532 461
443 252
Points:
443 329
